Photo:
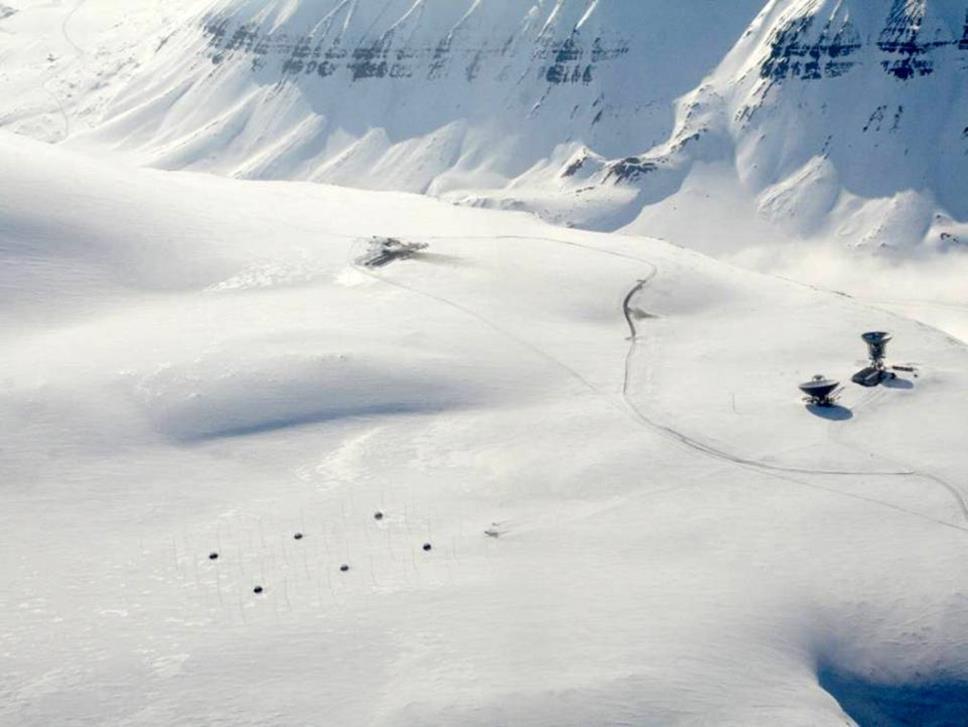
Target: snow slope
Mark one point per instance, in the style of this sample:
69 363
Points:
429 95
419 96
649 530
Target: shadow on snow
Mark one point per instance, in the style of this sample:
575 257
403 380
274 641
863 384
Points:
931 704
834 413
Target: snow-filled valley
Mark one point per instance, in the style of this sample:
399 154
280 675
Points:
256 469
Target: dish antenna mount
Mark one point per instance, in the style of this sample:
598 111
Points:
876 371
820 391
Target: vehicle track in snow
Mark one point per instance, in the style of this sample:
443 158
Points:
79 52
66 23
874 397
759 465
711 451
630 410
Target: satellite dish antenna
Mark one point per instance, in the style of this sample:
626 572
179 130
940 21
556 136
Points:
820 391
876 345
876 371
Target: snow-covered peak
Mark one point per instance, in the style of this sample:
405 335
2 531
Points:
844 120
426 95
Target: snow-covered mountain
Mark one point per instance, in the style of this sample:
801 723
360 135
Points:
844 120
421 96
840 120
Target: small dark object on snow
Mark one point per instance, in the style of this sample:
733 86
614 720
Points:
384 250
344 567
257 589
427 547
378 515
213 556
297 536
870 376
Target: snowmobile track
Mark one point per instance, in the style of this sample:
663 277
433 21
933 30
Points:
631 411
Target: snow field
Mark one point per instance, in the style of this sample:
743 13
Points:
667 542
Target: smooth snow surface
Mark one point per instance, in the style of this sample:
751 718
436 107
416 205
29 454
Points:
645 531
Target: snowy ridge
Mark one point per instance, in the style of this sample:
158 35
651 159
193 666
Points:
420 96
548 107
842 121
838 121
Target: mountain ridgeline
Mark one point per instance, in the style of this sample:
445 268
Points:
838 118
571 59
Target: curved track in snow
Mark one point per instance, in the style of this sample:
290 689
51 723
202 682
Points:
711 451
66 23
631 411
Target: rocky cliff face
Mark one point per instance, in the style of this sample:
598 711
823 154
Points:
558 58
909 43
840 119
425 95
846 119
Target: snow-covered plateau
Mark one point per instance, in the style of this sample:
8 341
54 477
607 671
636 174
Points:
435 362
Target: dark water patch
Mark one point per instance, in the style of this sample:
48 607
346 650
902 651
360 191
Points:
927 703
